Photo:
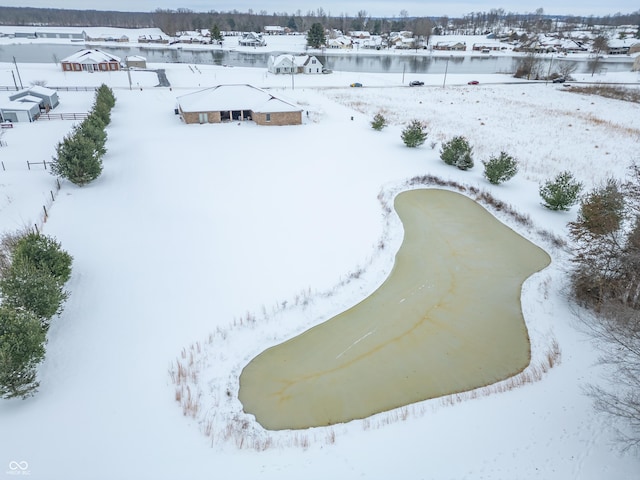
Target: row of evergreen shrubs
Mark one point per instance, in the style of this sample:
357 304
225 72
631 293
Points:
33 271
79 155
559 193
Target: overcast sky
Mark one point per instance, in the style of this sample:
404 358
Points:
386 8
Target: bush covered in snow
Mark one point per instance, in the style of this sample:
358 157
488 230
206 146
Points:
500 169
562 192
457 152
414 134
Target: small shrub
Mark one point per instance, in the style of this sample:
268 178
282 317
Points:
602 211
414 134
457 152
379 122
560 193
500 169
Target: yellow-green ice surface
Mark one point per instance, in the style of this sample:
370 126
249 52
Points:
447 319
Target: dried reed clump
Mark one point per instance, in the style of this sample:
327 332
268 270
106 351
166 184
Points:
609 91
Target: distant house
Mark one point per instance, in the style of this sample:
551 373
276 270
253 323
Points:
450 46
44 97
90 60
153 39
135 61
359 34
340 42
252 39
485 47
636 65
19 111
620 47
274 30
237 102
289 64
59 33
107 37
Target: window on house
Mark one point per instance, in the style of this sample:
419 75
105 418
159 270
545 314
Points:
268 117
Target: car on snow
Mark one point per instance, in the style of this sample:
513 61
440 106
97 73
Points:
416 83
559 80
473 82
356 84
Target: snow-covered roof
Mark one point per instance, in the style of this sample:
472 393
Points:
136 58
92 56
22 106
234 97
36 91
40 90
29 98
298 60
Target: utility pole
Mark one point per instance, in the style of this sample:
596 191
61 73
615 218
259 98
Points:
16 64
446 67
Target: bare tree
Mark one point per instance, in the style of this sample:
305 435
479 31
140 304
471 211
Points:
607 279
617 332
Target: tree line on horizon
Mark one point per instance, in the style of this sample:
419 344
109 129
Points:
172 21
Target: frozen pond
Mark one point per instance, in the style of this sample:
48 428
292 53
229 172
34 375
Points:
447 319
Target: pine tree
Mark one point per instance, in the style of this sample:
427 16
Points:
77 160
500 169
45 254
560 193
378 122
215 33
315 36
22 342
105 95
457 152
93 129
414 134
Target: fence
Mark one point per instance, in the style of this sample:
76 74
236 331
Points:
63 116
8 88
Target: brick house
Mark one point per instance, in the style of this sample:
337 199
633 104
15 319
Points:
239 102
90 60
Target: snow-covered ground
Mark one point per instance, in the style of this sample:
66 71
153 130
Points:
222 240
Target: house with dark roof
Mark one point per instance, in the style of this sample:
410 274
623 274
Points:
225 103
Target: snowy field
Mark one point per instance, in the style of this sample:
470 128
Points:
222 240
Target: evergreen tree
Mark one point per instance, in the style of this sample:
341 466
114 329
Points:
457 152
45 254
379 122
500 169
215 33
315 36
103 111
105 95
414 134
93 129
562 192
24 287
22 342
77 160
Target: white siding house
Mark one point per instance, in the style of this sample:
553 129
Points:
288 64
